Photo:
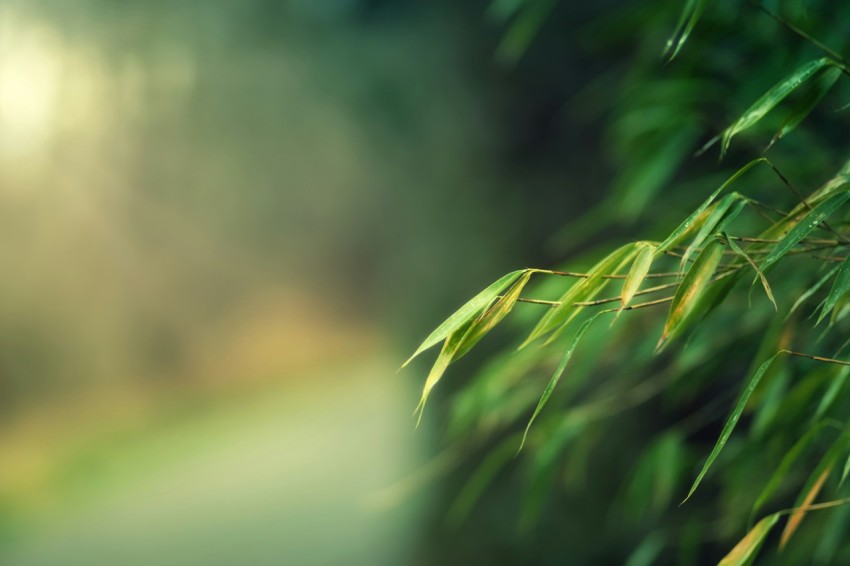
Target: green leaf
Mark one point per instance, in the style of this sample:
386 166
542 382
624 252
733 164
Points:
807 103
737 249
583 290
467 312
487 320
690 291
797 517
523 30
447 354
804 226
638 272
698 217
553 381
771 98
784 467
731 422
748 546
687 21
709 225
811 291
846 470
839 290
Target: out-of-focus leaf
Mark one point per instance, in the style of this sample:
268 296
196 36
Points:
523 30
811 291
698 217
846 470
583 290
748 546
640 268
690 291
500 11
839 290
771 98
820 86
802 228
731 422
737 249
467 312
483 476
553 381
828 398
647 551
687 21
797 517
784 467
487 320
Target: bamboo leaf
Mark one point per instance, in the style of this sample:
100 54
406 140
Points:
584 290
784 467
709 225
771 98
553 381
846 470
638 272
698 217
687 21
690 291
447 354
491 316
804 226
797 517
467 312
731 422
747 548
805 105
737 249
839 290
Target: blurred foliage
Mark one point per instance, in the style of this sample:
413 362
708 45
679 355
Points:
740 408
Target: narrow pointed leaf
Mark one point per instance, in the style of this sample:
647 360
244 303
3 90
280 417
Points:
483 476
839 290
797 517
584 290
687 21
737 249
697 217
467 312
811 291
771 98
846 470
710 224
492 316
553 381
805 105
690 291
638 272
747 548
805 225
731 422
446 356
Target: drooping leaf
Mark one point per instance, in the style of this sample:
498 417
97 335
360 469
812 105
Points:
698 217
771 98
583 290
811 291
737 249
638 272
839 290
748 546
687 21
690 291
447 354
553 381
467 312
804 226
729 426
494 314
710 224
820 87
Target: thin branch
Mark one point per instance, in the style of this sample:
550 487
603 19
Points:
816 358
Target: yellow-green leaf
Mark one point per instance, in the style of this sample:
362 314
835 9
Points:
748 546
467 312
690 290
797 517
839 290
638 272
687 21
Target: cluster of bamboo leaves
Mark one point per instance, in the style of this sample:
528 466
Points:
678 320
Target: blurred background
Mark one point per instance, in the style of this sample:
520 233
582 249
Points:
224 225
